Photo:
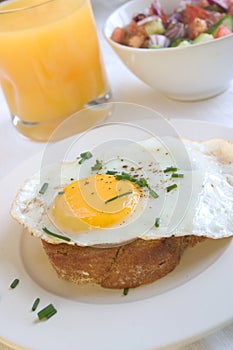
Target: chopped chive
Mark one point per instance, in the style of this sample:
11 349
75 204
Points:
126 176
14 283
153 193
35 304
44 188
97 166
172 187
170 169
118 196
61 192
125 291
140 182
84 156
111 172
157 222
178 175
56 235
47 312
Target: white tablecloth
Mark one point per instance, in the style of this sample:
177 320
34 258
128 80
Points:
125 87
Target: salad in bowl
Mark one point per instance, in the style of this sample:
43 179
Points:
192 22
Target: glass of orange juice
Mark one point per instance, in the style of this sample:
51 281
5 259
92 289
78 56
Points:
50 62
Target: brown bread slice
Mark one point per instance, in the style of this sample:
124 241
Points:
127 266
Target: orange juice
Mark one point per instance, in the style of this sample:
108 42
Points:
50 63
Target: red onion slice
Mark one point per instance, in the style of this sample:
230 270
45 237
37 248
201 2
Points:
146 20
220 3
156 6
158 40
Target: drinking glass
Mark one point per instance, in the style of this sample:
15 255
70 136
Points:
50 63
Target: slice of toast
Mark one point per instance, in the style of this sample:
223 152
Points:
126 266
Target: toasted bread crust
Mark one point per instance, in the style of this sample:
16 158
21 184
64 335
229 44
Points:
126 266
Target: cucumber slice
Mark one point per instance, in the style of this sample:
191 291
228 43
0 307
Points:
154 27
180 41
226 20
156 47
184 43
203 38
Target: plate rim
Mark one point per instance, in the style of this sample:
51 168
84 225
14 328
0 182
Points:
208 275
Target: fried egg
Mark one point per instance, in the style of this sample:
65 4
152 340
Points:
155 188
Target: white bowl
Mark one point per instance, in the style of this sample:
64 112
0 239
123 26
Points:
184 73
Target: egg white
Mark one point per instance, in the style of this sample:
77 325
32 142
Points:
202 203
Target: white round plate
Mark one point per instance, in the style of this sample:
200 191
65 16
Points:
193 300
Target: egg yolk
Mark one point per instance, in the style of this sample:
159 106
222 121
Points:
98 201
